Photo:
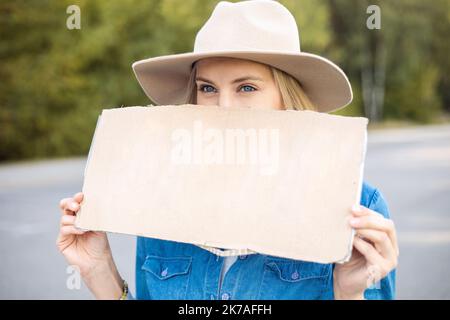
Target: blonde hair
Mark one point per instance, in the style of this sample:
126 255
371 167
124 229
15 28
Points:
292 93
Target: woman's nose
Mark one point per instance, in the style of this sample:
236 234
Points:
225 100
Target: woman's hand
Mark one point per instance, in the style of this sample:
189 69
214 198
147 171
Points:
89 251
375 254
80 248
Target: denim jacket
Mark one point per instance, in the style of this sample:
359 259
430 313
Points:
172 270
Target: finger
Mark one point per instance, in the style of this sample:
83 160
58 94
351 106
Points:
62 203
67 220
78 197
65 206
381 241
72 207
71 230
378 223
372 256
360 210
369 252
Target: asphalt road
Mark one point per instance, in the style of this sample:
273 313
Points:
410 166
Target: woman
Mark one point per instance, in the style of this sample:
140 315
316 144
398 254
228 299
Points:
246 55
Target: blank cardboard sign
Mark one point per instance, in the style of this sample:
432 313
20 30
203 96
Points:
275 182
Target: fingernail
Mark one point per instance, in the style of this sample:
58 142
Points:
356 208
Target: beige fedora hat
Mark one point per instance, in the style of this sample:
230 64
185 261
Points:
259 30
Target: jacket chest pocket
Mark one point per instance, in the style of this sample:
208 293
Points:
293 279
167 277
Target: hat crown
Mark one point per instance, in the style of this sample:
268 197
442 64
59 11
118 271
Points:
251 25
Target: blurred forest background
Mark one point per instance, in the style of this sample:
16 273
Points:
54 82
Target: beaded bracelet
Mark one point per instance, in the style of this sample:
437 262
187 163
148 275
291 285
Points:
125 291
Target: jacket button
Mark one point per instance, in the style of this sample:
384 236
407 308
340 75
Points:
225 296
243 257
164 272
295 275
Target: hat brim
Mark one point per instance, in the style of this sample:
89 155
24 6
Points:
164 78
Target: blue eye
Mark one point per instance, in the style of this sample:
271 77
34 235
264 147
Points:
211 89
206 86
252 89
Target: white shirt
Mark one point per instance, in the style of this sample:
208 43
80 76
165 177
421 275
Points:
227 263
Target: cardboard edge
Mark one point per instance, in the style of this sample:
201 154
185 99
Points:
348 255
97 126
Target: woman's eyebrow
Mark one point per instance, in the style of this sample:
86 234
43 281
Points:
245 78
